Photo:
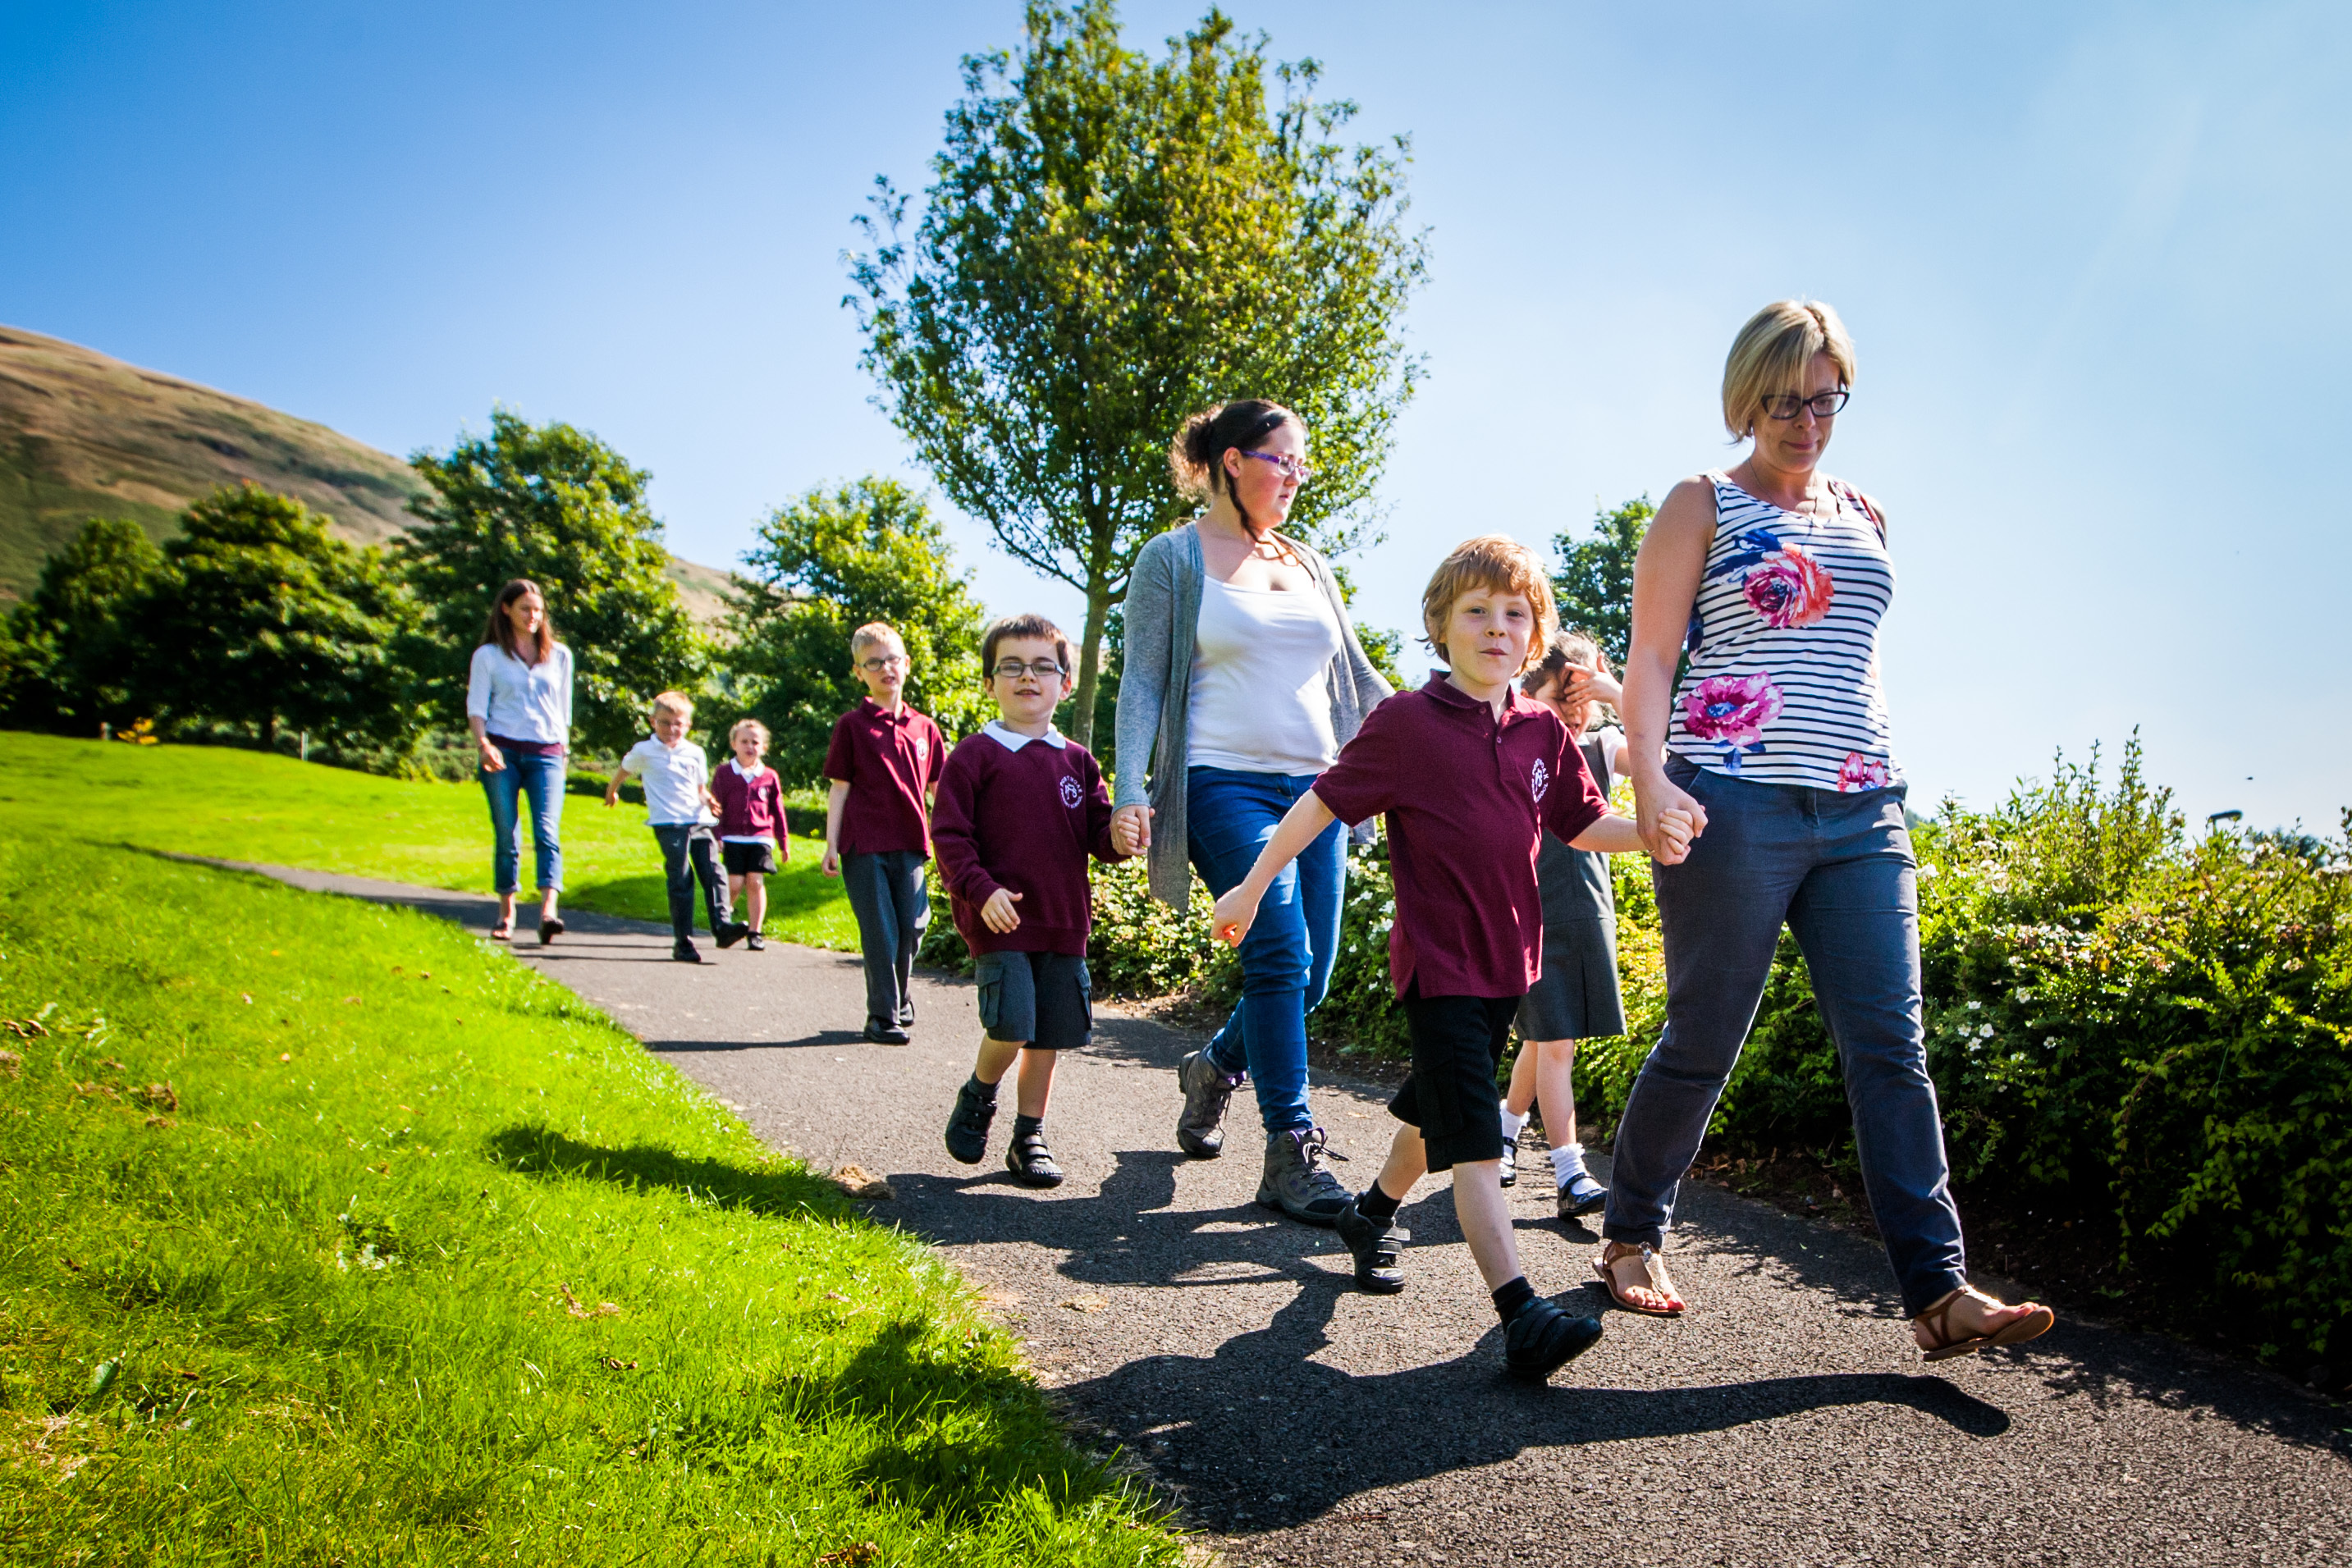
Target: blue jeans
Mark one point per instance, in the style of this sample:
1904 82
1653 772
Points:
1838 869
541 777
1286 956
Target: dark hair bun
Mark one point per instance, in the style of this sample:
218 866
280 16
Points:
1196 458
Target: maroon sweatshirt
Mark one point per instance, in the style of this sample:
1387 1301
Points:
1024 821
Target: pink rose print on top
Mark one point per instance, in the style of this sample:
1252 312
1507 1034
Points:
1734 710
1788 588
1859 772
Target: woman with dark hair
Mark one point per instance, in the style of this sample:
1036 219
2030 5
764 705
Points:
1772 577
1243 679
519 705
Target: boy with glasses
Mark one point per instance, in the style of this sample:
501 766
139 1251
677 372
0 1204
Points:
1020 808
884 765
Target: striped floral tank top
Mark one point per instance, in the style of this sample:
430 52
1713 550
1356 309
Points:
1782 687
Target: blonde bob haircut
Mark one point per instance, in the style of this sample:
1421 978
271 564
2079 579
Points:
1770 355
744 727
1501 564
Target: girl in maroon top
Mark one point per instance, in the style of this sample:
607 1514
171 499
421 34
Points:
753 836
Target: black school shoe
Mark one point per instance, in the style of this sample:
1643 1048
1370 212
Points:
732 932
685 954
1376 1244
968 1125
1031 1162
1543 1338
885 1034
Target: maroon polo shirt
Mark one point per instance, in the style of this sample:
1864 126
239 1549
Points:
1024 821
1467 801
890 762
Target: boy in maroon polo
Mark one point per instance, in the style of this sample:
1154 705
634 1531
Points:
1470 773
883 763
1019 809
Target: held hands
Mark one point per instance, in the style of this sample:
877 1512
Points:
1655 799
998 913
1235 914
1130 830
1676 831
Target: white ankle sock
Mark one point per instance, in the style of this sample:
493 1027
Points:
1511 1125
1567 1163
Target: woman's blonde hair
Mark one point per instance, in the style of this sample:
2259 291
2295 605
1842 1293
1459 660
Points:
1770 355
1503 565
744 727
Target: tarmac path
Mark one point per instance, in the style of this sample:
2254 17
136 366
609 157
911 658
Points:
1785 1419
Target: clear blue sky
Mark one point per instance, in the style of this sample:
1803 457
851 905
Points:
2093 256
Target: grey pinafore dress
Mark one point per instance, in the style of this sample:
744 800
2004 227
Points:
1576 998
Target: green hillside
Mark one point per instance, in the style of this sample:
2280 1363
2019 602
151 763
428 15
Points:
83 436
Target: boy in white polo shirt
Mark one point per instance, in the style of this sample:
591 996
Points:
679 808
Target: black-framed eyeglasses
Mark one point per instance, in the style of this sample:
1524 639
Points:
1784 405
1014 669
1298 470
886 662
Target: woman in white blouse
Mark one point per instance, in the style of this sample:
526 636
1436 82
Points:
519 705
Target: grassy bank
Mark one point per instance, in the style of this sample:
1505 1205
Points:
252 806
333 1236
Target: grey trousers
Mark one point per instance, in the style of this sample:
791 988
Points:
893 904
690 852
1838 869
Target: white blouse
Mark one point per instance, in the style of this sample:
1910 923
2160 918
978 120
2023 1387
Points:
1261 697
521 701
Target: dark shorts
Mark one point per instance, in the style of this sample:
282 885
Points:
1044 1001
1576 997
749 860
1450 1095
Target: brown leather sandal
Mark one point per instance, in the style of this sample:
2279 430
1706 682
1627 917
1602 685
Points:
1937 1320
1640 1268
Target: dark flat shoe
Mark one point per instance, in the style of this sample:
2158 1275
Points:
734 931
549 930
684 953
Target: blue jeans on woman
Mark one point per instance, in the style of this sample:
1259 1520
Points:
1838 869
541 778
1286 956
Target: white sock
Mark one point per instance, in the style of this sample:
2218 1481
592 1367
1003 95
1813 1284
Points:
1567 1163
1511 1125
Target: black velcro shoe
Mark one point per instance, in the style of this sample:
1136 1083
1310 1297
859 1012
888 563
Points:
1543 1338
1031 1162
968 1125
1376 1244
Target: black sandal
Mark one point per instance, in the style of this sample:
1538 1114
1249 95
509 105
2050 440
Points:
550 928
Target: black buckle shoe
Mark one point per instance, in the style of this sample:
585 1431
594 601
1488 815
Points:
1543 1338
1377 1243
968 1126
1031 1162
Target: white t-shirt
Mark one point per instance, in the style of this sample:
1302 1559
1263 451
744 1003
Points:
1261 698
674 776
521 701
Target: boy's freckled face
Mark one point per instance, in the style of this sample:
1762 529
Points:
669 727
883 684
1486 635
1024 699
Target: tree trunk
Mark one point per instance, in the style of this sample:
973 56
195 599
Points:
1082 721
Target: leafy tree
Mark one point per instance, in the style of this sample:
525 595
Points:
553 504
826 564
260 617
66 661
1594 585
1111 242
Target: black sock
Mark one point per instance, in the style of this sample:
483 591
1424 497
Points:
985 1092
1374 1204
1025 1125
1514 1296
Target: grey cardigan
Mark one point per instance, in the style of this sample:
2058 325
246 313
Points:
1163 611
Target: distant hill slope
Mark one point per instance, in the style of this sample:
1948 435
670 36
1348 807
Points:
83 435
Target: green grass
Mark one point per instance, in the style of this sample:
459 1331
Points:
309 1304
252 806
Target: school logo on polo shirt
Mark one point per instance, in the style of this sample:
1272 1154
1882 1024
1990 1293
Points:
1072 795
1539 779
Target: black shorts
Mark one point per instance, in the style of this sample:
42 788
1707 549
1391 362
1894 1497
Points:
1450 1094
748 859
1044 1001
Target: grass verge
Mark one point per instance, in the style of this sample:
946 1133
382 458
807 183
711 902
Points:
333 1236
253 805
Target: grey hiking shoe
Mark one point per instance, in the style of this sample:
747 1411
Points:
1295 1181
1200 1127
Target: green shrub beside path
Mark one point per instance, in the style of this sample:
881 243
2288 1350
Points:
314 1213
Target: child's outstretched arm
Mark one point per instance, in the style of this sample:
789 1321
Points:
1297 829
1619 835
613 790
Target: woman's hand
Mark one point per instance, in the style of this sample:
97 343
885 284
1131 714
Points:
998 913
1235 914
493 759
1131 828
